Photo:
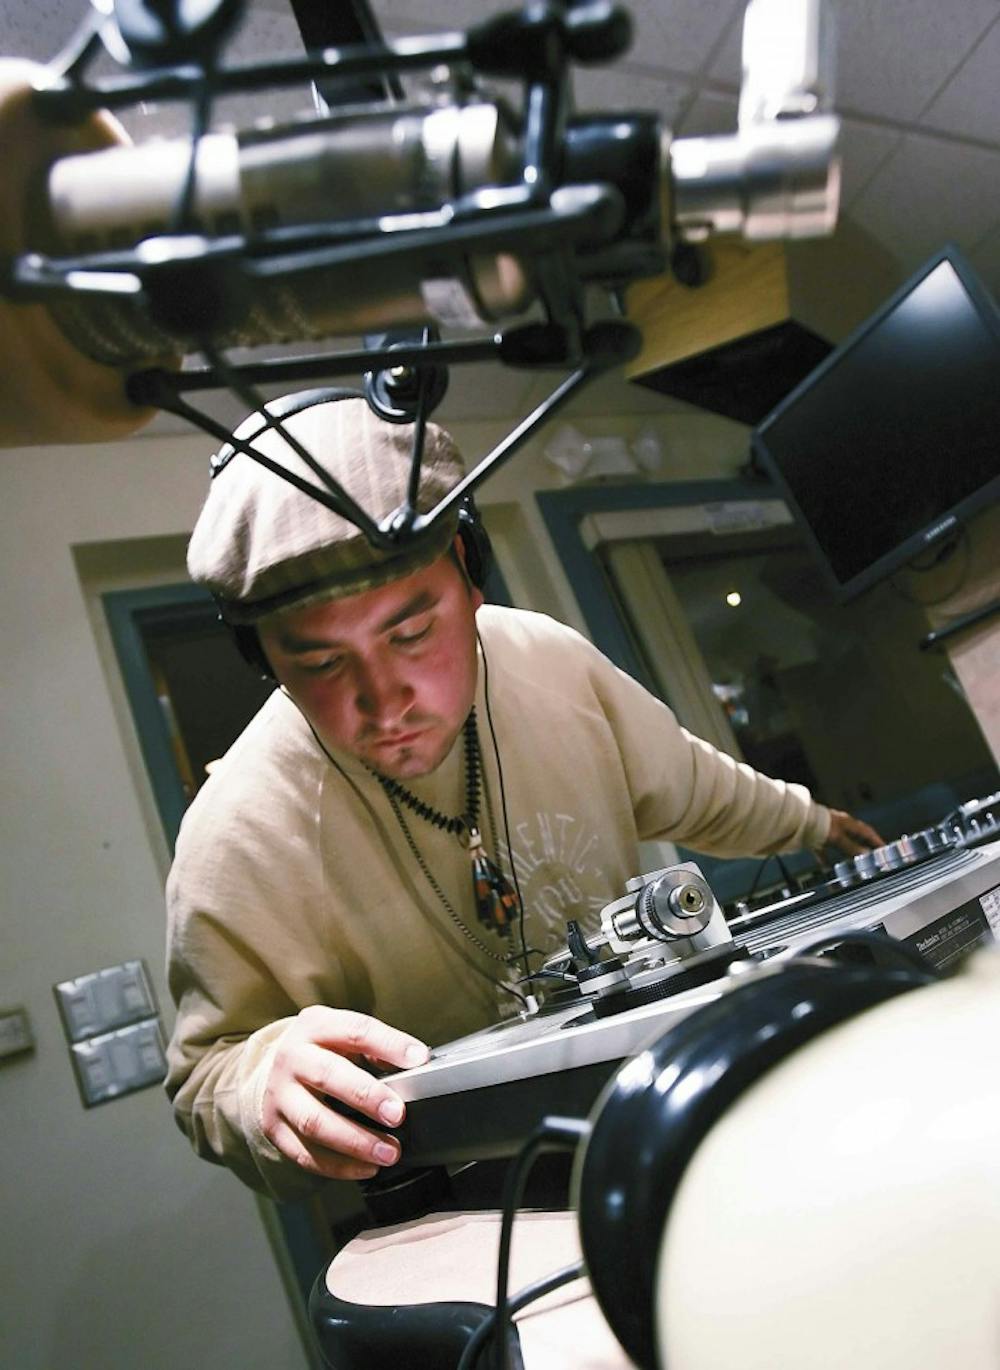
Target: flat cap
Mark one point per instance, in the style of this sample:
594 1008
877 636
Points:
261 545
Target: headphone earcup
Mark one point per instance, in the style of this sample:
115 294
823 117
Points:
476 542
247 641
657 1110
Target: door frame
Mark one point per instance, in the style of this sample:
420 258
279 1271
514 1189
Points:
564 512
292 1229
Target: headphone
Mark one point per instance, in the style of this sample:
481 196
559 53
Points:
475 540
649 1121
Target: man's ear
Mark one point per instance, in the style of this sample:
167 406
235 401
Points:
458 552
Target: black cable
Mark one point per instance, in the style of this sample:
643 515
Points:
514 993
419 433
536 1290
548 975
786 874
878 941
551 1134
958 624
756 879
503 810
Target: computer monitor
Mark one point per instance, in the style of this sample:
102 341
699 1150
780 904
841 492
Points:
895 438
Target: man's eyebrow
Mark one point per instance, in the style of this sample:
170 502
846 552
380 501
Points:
419 603
293 644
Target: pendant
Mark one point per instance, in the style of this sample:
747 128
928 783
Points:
496 902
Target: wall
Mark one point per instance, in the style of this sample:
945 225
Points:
121 1250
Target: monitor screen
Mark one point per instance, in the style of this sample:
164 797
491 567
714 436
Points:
896 435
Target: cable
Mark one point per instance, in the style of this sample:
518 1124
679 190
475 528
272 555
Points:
786 874
536 1290
906 956
756 879
548 975
550 1134
503 809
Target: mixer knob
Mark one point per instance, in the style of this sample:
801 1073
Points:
866 865
936 839
907 848
920 845
845 874
890 857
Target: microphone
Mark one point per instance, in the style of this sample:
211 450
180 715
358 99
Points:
393 171
454 211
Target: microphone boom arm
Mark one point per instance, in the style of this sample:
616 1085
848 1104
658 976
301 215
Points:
482 212
605 345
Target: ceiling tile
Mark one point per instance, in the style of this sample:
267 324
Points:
893 56
930 192
618 88
679 35
970 102
37 31
415 16
708 114
727 62
863 148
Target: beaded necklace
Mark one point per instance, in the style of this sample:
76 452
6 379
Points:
497 905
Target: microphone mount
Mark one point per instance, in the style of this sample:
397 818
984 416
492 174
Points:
531 207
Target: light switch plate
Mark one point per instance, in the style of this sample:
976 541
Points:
105 1000
118 1063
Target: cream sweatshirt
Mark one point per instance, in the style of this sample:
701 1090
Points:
293 883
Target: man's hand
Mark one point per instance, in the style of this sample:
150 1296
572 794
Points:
315 1057
850 835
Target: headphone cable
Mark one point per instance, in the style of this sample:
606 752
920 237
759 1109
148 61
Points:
503 810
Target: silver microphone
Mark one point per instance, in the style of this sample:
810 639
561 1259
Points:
123 258
400 167
376 164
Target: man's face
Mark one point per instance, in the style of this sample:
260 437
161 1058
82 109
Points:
388 675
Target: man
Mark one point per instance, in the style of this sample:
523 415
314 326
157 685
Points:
343 883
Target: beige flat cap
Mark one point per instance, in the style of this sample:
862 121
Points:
261 545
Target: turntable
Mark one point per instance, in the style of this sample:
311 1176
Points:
665 949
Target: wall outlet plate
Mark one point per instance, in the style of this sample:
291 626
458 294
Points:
118 1063
105 1000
